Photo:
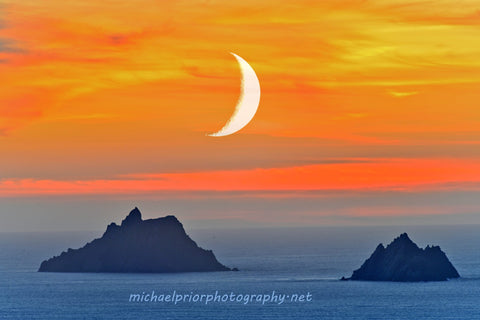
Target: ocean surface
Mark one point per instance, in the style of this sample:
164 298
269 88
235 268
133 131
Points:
290 262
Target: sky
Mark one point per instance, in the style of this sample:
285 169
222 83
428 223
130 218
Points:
369 112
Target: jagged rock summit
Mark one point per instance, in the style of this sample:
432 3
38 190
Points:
155 245
403 261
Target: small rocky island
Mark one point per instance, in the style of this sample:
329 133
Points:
403 261
138 246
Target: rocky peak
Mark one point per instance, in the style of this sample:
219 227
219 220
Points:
134 217
152 245
402 260
403 242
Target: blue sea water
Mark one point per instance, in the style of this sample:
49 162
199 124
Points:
290 261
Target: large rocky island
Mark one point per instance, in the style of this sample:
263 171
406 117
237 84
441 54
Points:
155 245
403 261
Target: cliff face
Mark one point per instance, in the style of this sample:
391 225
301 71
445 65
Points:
403 261
155 245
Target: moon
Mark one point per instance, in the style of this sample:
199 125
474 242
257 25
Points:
247 104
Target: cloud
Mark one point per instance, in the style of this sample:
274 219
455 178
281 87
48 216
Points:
86 117
402 94
447 13
19 106
8 46
383 174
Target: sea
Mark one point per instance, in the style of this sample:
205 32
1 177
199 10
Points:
301 265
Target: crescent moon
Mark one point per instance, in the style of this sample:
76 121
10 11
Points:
248 102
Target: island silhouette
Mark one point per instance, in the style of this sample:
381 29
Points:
403 261
138 246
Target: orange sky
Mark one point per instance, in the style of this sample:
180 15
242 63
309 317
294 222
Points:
115 97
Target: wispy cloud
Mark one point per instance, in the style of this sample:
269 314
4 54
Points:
86 117
401 94
387 174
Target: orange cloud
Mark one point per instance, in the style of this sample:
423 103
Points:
387 174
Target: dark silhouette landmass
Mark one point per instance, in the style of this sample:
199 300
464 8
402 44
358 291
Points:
155 245
403 261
